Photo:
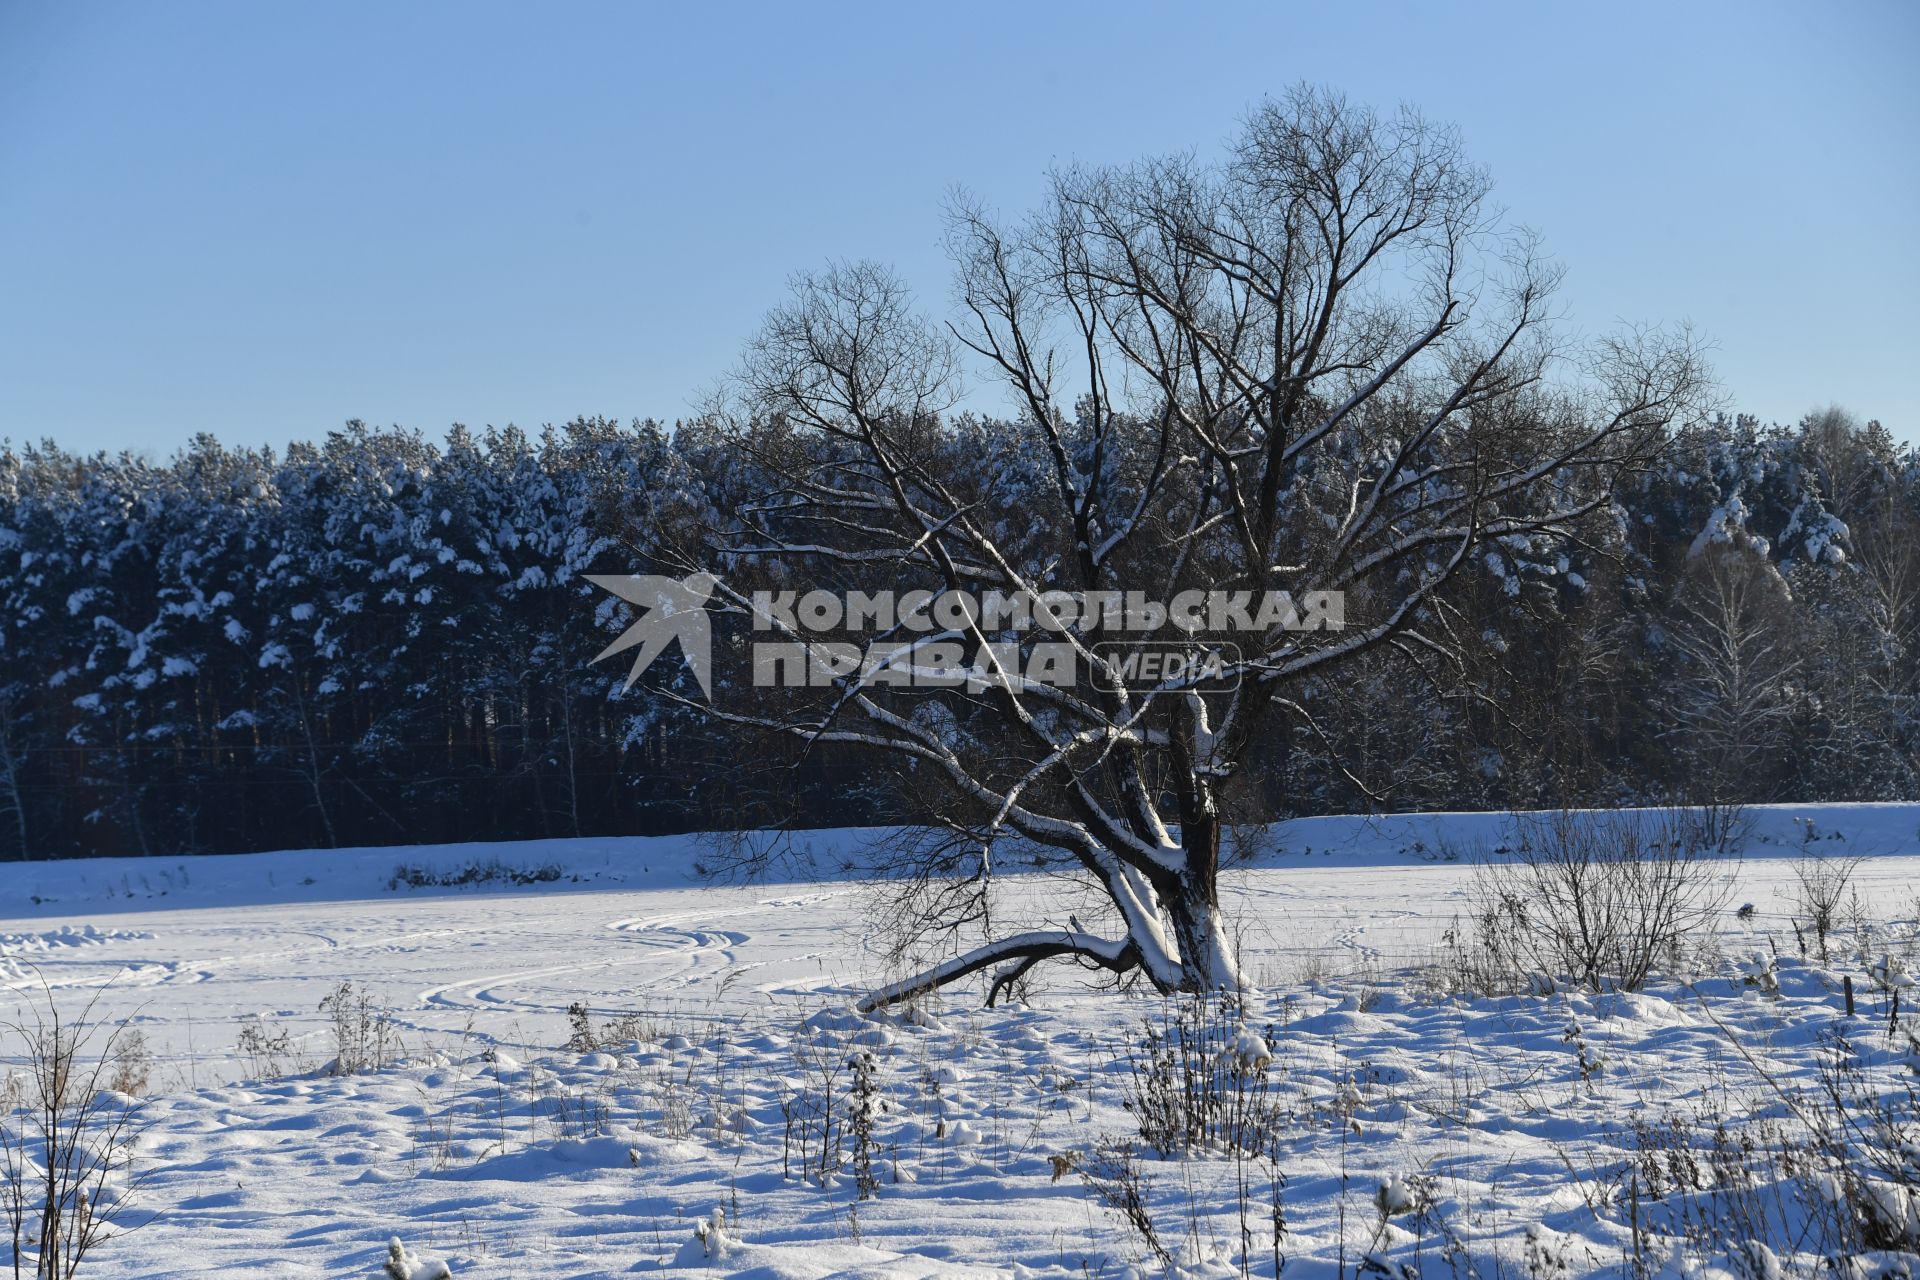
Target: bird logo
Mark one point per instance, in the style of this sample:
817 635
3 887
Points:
677 611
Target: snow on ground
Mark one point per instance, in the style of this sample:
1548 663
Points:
493 1147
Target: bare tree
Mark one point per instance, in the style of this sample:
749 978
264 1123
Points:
1316 365
13 762
1888 557
1733 695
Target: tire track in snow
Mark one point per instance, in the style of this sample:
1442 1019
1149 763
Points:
688 950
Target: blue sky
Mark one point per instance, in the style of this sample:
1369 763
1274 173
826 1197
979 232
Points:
261 220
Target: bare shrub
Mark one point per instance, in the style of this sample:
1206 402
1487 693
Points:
864 1109
1201 1080
817 1113
1113 1174
1605 899
1870 1137
131 1063
493 871
1828 1180
267 1050
585 1036
574 1114
1834 1178
582 1037
364 1036
1718 1186
1717 824
66 1141
1822 892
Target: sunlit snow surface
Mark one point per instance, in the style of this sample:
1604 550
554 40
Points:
540 1162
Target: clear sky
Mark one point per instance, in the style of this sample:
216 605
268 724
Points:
261 220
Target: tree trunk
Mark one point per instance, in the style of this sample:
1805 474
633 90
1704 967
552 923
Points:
1193 902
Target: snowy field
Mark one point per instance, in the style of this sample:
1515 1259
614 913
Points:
490 1145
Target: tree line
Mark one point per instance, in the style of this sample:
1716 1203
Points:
381 639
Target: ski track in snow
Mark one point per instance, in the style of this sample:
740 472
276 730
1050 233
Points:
477 1159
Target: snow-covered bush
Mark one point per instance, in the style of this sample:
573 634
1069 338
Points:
403 1264
713 1240
1590 1062
1761 971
